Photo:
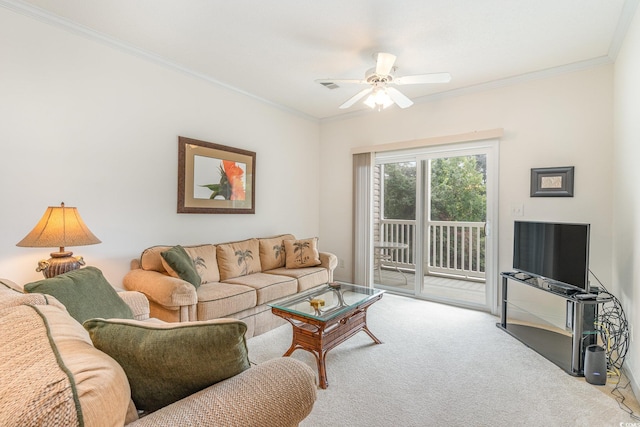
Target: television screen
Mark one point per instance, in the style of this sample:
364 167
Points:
556 251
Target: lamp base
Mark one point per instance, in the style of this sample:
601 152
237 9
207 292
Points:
60 262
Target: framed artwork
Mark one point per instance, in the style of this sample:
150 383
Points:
214 178
552 182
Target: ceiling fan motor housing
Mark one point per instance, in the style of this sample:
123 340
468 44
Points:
372 77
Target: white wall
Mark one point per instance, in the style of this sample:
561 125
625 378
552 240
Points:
626 224
97 128
565 120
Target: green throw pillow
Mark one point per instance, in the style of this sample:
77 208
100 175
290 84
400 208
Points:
166 362
85 293
179 261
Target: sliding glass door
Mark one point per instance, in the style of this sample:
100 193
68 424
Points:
433 212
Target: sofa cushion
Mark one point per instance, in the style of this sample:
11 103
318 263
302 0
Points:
52 375
179 264
302 253
204 257
238 258
272 252
166 362
308 277
268 287
85 293
217 300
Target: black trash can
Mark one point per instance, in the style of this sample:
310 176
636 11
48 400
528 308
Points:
595 365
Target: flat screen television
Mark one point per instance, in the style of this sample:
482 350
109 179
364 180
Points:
555 251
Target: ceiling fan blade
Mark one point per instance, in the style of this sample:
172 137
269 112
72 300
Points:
423 78
343 81
399 98
355 98
385 63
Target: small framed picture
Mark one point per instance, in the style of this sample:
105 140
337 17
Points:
552 182
214 178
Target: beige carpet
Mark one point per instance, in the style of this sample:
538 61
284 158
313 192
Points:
442 366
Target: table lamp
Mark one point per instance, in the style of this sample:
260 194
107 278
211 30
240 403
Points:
59 226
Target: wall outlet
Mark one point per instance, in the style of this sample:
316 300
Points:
341 263
517 209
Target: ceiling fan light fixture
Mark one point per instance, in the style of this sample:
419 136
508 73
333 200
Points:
378 99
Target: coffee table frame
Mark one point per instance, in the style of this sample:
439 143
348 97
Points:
319 336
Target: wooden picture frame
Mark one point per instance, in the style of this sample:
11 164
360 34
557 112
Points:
552 182
214 178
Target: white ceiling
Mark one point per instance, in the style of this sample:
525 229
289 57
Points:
275 49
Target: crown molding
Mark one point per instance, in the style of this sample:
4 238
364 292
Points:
519 79
626 17
47 17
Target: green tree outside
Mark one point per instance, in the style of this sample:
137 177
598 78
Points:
458 189
400 190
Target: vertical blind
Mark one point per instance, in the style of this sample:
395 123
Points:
362 218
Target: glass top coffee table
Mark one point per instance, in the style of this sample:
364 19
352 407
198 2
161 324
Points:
326 316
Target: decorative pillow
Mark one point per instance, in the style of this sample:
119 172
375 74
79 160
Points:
238 259
166 362
272 252
85 293
204 258
302 253
179 264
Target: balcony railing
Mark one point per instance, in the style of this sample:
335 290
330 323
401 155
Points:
454 248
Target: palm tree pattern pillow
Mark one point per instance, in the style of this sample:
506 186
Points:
204 257
302 253
272 252
238 259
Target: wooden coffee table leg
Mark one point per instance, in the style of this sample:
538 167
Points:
373 337
365 328
322 369
291 350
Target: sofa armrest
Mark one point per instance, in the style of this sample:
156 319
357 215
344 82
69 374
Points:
164 290
6 283
138 303
330 262
277 393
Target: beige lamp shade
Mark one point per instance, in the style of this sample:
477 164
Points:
59 227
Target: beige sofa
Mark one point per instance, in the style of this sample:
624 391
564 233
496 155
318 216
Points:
236 279
52 374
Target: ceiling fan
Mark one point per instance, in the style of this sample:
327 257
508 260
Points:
381 93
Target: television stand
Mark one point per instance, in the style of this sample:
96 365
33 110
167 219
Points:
557 325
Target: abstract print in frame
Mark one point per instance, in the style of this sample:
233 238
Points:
214 178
